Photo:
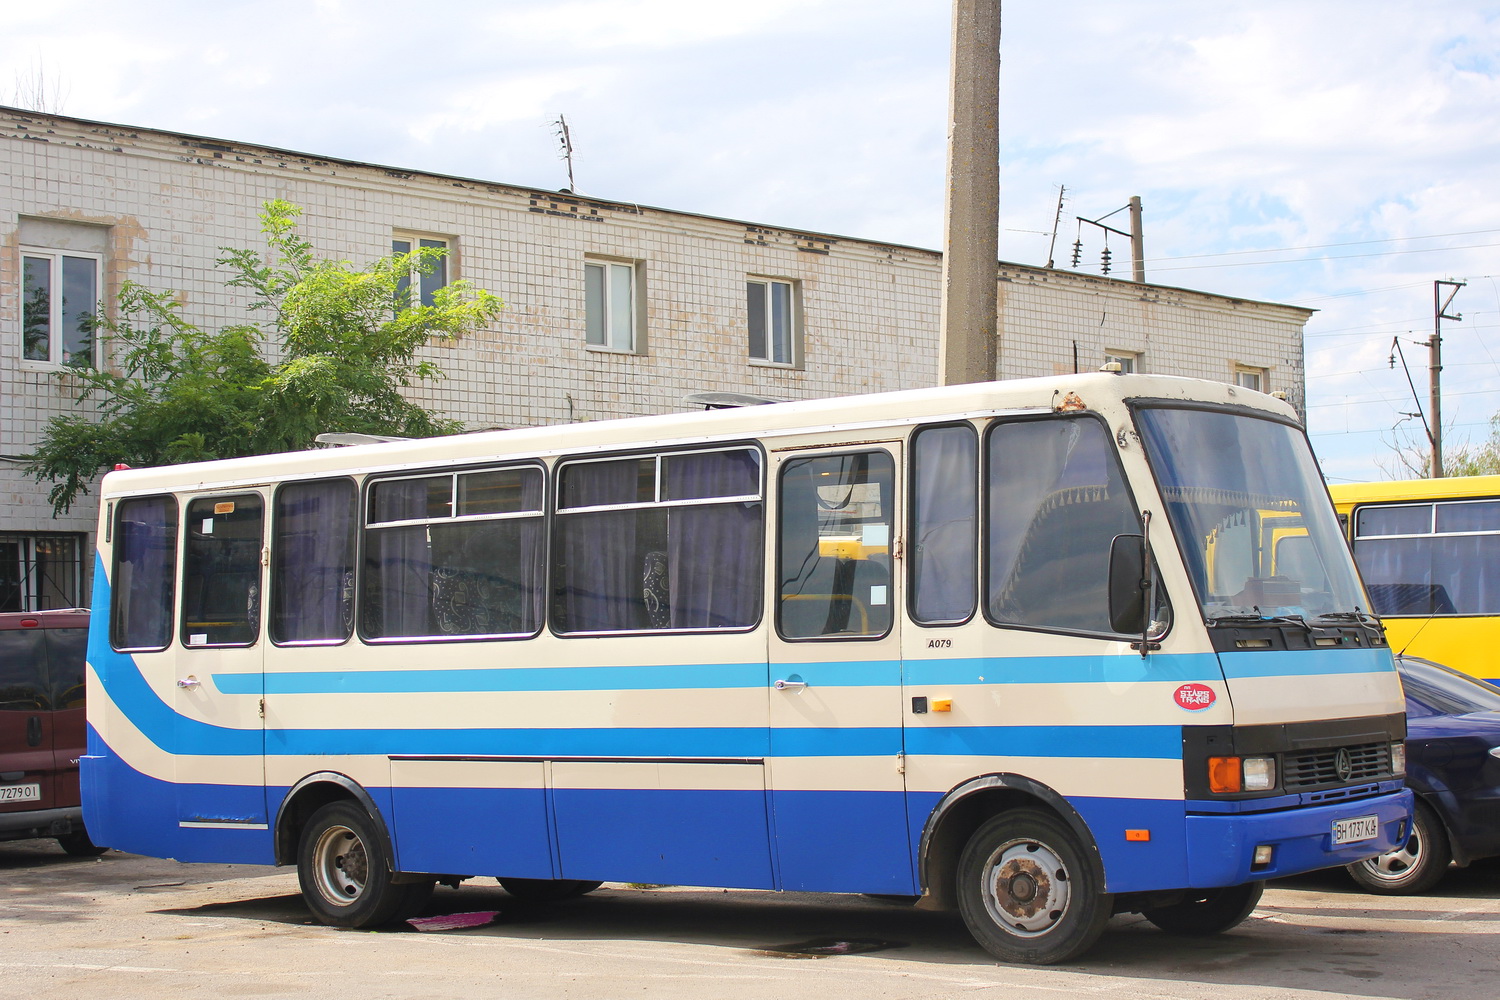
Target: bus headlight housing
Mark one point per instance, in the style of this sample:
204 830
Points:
1398 759
1227 775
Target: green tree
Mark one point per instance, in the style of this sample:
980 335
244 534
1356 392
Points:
1413 456
334 348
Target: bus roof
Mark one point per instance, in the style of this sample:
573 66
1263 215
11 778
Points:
1097 390
1448 488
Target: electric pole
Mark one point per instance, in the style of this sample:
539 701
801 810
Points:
1435 348
971 227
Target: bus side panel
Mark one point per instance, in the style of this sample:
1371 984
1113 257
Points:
471 818
134 812
854 848
667 822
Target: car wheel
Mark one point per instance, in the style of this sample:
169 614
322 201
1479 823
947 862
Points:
1213 912
79 845
546 890
1026 890
344 869
1415 866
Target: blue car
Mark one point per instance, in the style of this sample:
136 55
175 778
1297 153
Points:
1453 766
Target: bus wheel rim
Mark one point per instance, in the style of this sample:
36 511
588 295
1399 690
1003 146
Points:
1027 889
341 865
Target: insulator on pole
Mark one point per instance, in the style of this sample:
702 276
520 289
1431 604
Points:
1077 251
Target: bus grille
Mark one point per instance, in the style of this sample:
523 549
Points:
1319 768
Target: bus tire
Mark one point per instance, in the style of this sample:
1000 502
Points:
546 890
1213 912
1415 866
343 867
1027 891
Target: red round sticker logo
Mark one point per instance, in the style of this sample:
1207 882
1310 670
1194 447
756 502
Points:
1194 697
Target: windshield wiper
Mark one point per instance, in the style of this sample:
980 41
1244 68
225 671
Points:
1363 617
1243 619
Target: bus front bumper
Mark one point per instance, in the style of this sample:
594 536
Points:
1222 848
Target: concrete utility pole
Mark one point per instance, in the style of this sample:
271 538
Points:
1137 241
1435 369
971 231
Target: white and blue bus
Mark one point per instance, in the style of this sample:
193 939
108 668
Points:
1005 646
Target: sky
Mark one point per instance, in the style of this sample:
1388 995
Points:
1341 155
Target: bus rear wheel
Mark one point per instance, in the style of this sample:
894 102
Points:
1026 891
343 866
1214 912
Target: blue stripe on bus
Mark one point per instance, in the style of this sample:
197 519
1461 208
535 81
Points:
444 681
1306 662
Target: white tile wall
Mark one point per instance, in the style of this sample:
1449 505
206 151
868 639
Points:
871 310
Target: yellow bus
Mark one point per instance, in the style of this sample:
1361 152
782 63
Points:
1429 551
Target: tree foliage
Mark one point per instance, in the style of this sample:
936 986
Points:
1413 456
333 348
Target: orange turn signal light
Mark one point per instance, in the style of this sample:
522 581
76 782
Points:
1224 775
1138 835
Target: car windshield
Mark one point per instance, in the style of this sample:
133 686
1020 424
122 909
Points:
1251 515
1433 689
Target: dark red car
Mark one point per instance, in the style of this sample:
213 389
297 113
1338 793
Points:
42 730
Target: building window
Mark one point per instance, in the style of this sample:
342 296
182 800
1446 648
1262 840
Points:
772 320
1129 361
610 304
40 572
1250 378
427 276
60 303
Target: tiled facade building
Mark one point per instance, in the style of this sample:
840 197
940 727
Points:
612 309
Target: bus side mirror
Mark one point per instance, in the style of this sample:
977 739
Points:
1127 584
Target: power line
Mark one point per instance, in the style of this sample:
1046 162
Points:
1325 259
1328 246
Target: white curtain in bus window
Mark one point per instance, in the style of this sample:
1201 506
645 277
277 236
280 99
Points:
145 571
1056 500
1431 559
221 571
835 538
312 562
945 538
455 555
667 541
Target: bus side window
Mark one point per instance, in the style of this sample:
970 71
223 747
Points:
143 586
944 537
312 562
834 542
1056 501
658 542
221 571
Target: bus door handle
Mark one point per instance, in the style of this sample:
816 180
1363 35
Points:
189 682
785 685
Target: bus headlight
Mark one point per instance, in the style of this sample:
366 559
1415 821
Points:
1398 759
1227 775
1260 774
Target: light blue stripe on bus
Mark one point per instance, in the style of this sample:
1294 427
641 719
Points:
1306 662
670 677
857 673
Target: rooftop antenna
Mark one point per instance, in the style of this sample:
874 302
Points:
565 141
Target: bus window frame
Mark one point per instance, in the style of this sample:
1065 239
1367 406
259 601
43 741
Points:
451 472
1353 537
556 513
773 582
273 521
984 530
909 454
174 603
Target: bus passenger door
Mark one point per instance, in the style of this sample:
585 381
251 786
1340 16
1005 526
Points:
219 680
837 787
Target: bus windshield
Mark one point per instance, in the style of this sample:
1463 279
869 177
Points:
1257 532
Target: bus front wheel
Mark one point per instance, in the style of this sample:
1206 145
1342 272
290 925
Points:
343 866
1026 891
